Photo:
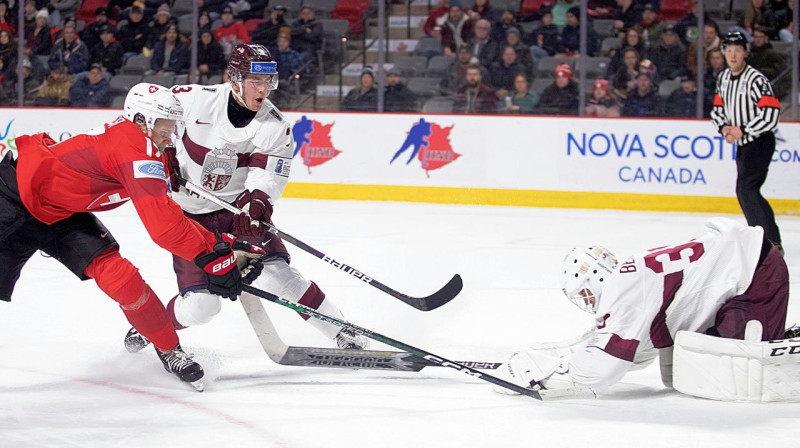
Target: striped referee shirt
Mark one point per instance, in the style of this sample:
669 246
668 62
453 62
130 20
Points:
745 101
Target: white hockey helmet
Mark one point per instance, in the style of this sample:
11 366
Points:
585 271
145 103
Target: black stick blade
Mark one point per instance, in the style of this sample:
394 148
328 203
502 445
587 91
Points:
437 299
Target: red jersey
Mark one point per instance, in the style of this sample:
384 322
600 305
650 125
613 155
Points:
101 170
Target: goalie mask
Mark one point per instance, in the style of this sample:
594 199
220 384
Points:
585 271
146 103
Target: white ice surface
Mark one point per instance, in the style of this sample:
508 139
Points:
66 381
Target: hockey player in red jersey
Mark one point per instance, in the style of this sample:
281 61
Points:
48 196
714 284
236 144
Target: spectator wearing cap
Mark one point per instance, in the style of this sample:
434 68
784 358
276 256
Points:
55 90
30 84
647 66
484 50
521 100
544 39
474 97
682 102
307 33
91 89
627 15
67 8
210 56
710 41
686 27
570 44
108 52
651 26
397 96
37 35
133 35
70 51
643 101
170 55
267 33
560 97
504 70
601 103
559 11
155 32
289 60
624 80
507 20
669 55
363 98
457 29
524 58
91 34
436 18
230 32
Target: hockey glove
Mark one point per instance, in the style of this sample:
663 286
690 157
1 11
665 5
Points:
256 207
173 168
249 259
223 277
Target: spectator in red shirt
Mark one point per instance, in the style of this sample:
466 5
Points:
230 32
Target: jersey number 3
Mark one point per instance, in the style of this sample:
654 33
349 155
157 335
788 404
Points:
675 258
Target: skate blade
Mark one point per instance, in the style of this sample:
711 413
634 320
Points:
197 385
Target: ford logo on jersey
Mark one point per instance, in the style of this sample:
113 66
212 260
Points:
148 168
267 68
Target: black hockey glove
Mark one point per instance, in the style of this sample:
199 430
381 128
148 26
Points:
172 167
223 277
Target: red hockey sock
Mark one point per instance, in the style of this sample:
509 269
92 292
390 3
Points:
312 298
118 278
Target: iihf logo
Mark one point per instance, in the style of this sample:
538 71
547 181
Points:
312 141
431 144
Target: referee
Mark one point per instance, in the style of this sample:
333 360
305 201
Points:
745 112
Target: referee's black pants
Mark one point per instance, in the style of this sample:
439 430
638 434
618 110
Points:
752 165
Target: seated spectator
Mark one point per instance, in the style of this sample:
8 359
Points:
682 102
624 80
37 35
210 58
70 51
504 71
55 90
170 55
643 101
559 11
307 33
524 58
91 89
8 46
669 55
398 97
632 39
30 85
456 77
508 19
456 30
474 97
651 26
758 13
711 41
436 18
108 52
363 98
762 56
544 40
686 27
5 24
521 100
601 103
484 50
204 22
38 70
267 33
714 66
570 44
6 87
784 17
561 97
91 34
627 16
483 10
289 60
230 32
133 35
156 29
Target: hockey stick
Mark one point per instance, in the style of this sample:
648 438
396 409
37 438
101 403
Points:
285 355
392 342
447 293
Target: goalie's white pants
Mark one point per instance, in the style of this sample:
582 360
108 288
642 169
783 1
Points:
277 277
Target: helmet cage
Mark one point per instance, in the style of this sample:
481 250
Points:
585 271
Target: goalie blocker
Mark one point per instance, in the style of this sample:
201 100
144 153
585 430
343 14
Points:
737 370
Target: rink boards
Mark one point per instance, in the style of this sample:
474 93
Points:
630 164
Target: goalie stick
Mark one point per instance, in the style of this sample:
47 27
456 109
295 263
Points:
444 362
282 354
447 293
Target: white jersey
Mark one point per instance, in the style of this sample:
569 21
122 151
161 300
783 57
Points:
655 294
226 160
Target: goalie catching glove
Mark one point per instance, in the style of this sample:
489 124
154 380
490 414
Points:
230 265
256 208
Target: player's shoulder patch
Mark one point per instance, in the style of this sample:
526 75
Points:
274 112
148 168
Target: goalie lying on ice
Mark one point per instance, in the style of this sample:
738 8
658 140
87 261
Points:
713 284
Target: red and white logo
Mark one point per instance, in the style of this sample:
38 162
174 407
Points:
153 89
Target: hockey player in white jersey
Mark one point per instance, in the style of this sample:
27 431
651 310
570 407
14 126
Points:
713 284
236 144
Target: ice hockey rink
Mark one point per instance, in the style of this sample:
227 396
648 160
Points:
66 380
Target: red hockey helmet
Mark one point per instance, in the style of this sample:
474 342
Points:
252 59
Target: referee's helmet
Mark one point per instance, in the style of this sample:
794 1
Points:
735 38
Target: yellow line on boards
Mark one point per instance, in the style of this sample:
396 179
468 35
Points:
529 198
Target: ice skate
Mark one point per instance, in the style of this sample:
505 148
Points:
134 341
348 340
792 332
183 366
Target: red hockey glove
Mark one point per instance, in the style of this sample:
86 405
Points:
223 274
172 167
256 207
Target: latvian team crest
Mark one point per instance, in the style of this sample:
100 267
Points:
218 168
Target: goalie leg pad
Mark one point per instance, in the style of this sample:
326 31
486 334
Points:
737 370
